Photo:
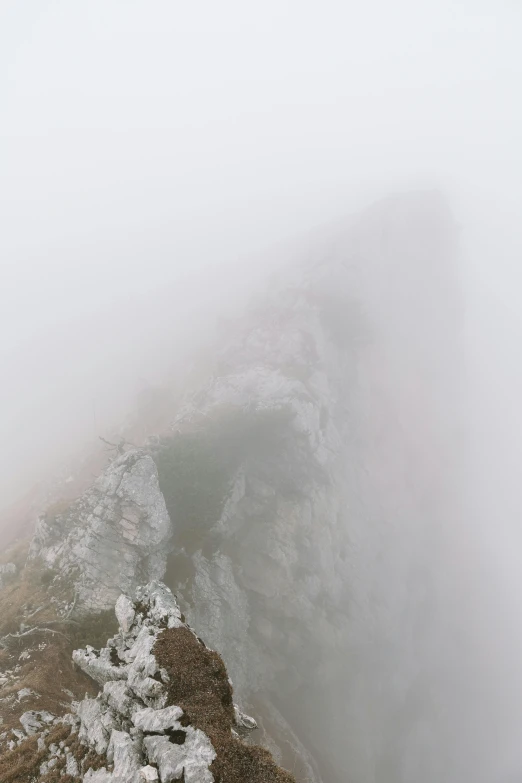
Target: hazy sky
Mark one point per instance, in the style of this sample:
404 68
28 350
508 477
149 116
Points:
142 141
144 137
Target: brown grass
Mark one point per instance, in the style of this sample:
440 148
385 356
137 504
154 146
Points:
199 685
22 764
30 590
46 673
51 670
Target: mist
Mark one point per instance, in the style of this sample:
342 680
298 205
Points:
161 162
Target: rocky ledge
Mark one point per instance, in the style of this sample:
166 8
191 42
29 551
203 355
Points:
165 712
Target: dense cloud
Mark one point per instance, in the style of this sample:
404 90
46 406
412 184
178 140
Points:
152 153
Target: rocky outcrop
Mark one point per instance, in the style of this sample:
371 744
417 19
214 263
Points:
316 462
115 537
306 480
263 559
129 722
132 731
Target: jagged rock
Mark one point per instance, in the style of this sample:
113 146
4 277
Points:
156 721
191 759
317 431
135 676
115 537
71 766
119 697
149 774
25 693
32 721
95 724
125 754
243 721
98 666
124 612
140 744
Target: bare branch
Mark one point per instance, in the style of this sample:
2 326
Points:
30 632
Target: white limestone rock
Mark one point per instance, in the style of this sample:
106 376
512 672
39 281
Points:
244 721
136 741
93 729
192 759
149 774
98 665
156 721
33 721
117 535
124 753
125 613
115 722
71 766
119 698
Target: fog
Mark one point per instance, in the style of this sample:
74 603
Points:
152 154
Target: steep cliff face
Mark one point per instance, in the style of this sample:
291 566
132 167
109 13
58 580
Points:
114 538
304 494
318 462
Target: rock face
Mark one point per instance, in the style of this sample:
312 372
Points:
115 537
317 463
129 721
131 732
309 481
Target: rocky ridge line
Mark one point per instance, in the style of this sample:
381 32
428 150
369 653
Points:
131 733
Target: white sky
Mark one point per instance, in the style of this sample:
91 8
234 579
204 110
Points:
142 141
141 138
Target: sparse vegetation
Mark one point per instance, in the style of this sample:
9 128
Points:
22 765
199 685
30 623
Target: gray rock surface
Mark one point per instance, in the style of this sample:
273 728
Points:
133 739
328 420
115 537
33 721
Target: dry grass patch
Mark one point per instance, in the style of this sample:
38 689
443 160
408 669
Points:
43 659
199 685
22 764
47 674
